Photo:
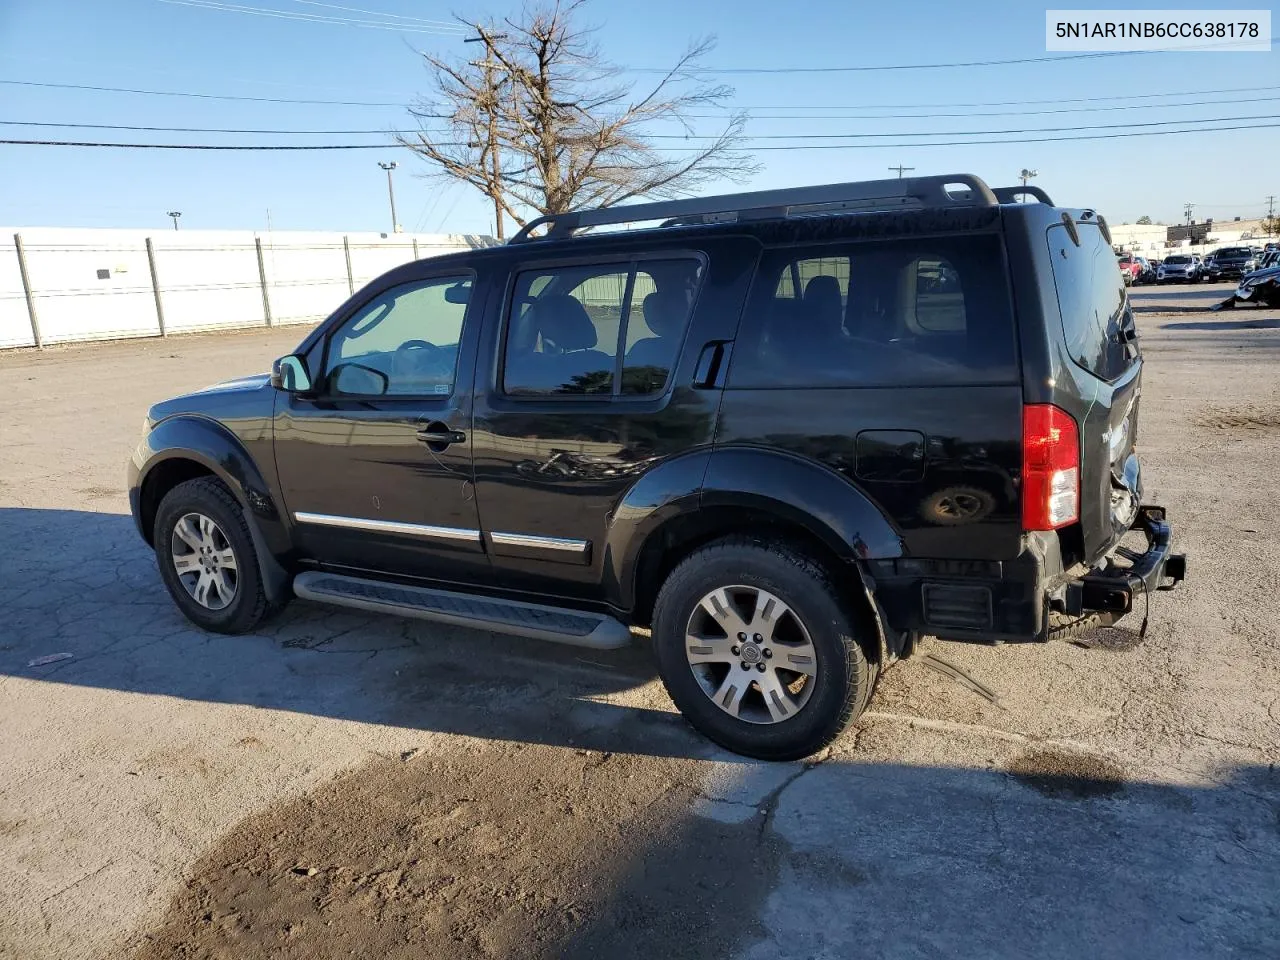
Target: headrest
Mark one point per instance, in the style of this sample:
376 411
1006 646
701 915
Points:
822 289
664 312
561 319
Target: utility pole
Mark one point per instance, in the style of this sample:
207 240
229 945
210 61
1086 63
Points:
900 170
175 214
1187 209
491 107
391 193
1271 214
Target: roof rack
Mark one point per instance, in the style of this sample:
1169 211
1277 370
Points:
1011 194
910 193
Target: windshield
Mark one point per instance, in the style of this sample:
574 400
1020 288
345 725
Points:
1178 260
1233 252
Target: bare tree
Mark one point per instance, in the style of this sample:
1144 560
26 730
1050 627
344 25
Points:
544 124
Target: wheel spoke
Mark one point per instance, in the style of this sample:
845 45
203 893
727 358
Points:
769 611
226 588
188 533
206 531
201 592
729 695
709 650
227 559
799 657
776 696
720 607
187 563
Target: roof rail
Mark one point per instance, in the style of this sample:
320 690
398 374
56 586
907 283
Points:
1011 194
910 193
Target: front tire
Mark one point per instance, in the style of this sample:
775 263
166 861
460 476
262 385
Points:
758 649
206 557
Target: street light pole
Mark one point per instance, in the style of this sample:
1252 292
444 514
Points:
175 214
391 193
1027 175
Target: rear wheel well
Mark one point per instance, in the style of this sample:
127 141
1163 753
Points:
668 546
162 478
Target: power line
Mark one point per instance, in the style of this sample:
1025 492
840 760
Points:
793 147
199 96
443 30
380 13
696 71
660 136
888 106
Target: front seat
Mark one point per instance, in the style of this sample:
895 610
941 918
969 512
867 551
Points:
568 354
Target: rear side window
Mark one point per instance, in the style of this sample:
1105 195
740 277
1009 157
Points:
1091 299
899 313
611 329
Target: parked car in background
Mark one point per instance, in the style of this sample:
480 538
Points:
1231 262
1130 268
1181 267
1261 286
791 446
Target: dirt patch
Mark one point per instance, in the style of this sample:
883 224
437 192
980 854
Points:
1056 773
1243 421
1113 639
529 851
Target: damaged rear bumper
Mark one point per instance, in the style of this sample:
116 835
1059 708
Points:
1112 586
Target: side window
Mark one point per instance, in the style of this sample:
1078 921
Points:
404 342
602 329
1091 300
886 313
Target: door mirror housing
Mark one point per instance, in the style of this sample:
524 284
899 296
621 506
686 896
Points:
290 374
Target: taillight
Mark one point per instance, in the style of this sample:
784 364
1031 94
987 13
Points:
1050 468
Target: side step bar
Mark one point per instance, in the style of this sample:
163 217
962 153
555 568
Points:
464 610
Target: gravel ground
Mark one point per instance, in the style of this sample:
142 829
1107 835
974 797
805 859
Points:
342 785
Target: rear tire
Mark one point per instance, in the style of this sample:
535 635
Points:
206 557
787 606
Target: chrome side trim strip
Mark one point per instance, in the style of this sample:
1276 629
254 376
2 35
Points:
389 526
539 543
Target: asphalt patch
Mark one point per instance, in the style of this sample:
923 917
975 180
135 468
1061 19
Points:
520 851
1057 773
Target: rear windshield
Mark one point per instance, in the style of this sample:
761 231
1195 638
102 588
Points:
1091 299
892 313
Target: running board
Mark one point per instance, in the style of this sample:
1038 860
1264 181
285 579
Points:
464 610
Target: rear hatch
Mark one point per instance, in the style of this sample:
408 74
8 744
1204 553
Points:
1100 386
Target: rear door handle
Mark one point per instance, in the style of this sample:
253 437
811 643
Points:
713 362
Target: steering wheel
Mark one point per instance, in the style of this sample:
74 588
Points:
405 358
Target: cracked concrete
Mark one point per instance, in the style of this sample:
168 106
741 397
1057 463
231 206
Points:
131 771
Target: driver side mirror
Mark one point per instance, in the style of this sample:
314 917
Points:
290 374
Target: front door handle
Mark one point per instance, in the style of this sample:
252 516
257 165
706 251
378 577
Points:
437 436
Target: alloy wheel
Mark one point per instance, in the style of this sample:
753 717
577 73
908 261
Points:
751 654
205 561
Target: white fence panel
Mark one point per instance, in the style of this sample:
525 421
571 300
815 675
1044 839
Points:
97 284
305 280
98 291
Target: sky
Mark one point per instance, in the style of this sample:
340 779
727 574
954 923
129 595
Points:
205 47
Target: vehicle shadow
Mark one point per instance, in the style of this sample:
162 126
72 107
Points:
841 859
84 584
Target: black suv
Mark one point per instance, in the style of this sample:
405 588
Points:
1232 262
791 431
